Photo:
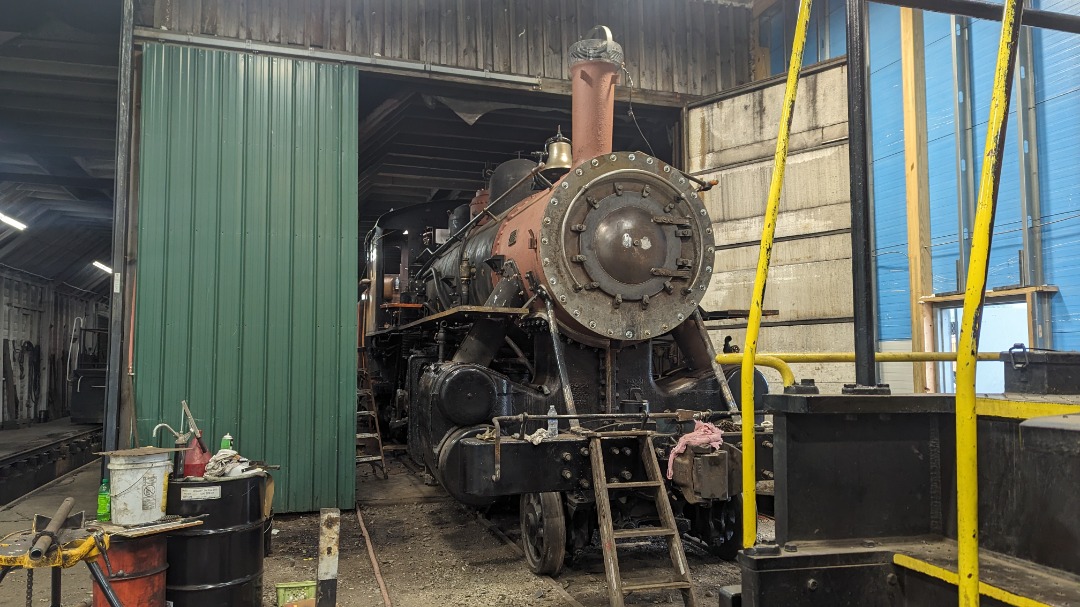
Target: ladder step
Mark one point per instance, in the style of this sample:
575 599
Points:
622 534
635 485
367 459
366 436
654 585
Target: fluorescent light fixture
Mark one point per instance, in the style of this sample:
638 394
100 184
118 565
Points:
405 233
102 267
11 221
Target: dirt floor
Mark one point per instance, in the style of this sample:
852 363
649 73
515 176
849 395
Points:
434 552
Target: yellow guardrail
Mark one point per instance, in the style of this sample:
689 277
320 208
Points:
780 361
753 326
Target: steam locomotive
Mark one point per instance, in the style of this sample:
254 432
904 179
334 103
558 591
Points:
572 284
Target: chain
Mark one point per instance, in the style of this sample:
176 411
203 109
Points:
29 587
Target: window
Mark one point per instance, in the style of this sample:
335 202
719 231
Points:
825 34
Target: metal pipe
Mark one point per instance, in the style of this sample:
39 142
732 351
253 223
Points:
881 357
967 468
121 195
45 538
560 359
978 9
771 361
753 326
862 265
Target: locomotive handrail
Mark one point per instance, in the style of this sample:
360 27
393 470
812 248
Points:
765 360
753 325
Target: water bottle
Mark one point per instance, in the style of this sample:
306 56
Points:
104 502
227 441
553 424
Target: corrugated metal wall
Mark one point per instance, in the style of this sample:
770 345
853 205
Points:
247 261
685 46
34 311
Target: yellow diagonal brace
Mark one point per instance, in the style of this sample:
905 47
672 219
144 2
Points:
753 325
967 485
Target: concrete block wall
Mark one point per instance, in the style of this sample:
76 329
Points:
733 140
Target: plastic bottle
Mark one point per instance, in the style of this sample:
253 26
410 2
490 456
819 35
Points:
226 441
104 502
553 424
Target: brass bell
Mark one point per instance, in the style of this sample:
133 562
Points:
559 156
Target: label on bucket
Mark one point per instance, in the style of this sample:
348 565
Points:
200 493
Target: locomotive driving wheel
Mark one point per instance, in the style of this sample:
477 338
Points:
543 532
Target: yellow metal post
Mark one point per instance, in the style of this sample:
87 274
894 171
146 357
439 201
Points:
753 326
967 486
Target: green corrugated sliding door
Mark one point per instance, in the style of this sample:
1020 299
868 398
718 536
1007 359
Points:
247 261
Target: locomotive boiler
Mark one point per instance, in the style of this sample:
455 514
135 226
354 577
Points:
571 285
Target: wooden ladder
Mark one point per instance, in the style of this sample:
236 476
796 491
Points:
676 578
367 424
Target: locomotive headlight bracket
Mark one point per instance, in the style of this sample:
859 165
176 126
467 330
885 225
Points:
627 247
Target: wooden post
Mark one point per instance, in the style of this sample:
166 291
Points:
917 178
329 534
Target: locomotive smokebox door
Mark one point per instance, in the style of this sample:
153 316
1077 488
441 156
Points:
703 474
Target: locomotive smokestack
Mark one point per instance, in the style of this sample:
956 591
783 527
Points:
594 72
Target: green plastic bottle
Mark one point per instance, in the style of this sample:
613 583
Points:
104 502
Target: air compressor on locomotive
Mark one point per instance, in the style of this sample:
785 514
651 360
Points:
572 284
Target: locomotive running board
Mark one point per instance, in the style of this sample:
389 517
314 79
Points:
459 313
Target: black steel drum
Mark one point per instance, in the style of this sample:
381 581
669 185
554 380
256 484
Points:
219 563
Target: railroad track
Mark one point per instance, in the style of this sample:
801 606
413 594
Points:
23 471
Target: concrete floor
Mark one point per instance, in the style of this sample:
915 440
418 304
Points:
82 485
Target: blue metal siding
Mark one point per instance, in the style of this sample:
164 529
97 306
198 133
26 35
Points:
887 171
1057 99
941 150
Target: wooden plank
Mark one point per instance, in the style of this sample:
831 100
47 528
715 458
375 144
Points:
741 45
501 43
431 30
725 49
376 14
392 29
208 18
571 31
697 46
273 25
466 34
673 30
144 13
413 13
710 60
639 34
314 34
484 59
448 33
679 47
916 177
552 39
534 38
339 17
519 38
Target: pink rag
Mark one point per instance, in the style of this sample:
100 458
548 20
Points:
704 434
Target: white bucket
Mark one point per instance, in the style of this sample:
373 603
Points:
138 487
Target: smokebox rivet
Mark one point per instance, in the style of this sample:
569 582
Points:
613 157
547 221
543 240
682 180
577 313
552 280
648 333
595 162
667 169
629 334
562 298
610 332
555 201
702 212
680 317
547 261
664 327
579 172
632 157
708 268
565 185
648 160
592 324
709 249
709 231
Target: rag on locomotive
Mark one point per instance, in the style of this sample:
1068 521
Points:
573 284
